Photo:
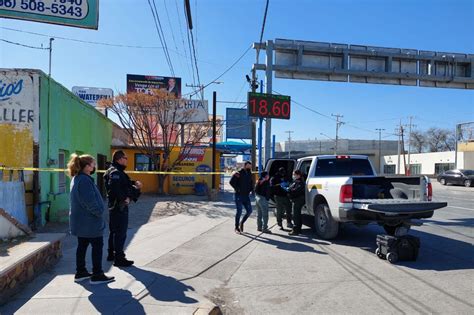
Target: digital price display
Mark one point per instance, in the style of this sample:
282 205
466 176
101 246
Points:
269 105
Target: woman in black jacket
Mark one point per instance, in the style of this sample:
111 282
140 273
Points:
296 193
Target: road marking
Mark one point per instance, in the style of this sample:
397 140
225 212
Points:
460 208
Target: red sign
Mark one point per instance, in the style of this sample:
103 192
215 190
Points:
269 105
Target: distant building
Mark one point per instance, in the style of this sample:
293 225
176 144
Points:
300 148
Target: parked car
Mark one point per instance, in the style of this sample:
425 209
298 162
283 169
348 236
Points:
345 188
457 177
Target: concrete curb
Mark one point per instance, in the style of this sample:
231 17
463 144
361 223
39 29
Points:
207 310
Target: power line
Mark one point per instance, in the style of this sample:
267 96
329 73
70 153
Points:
80 40
23 45
191 72
263 27
223 73
161 35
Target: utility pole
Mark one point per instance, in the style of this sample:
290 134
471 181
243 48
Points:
289 132
50 54
214 131
338 124
402 130
409 143
399 133
380 149
253 85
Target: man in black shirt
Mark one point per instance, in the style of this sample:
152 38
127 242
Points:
242 183
278 183
121 190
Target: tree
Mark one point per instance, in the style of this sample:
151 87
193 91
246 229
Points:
157 123
418 141
439 139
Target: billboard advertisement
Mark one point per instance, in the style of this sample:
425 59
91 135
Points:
76 13
238 124
146 83
92 95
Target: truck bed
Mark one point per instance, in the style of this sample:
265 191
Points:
397 206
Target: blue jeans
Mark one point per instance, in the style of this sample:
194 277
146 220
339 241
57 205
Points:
245 202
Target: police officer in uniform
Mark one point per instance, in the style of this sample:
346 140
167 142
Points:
121 190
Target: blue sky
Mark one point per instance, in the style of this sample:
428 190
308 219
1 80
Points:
225 29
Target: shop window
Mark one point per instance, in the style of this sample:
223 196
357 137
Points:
415 169
143 163
440 168
389 169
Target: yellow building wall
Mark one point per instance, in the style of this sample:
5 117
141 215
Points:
199 160
149 181
181 184
466 146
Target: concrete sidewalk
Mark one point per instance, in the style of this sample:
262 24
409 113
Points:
141 289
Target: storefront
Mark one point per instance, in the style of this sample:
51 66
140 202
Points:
42 123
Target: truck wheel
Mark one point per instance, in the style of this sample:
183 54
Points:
392 257
467 183
442 181
326 227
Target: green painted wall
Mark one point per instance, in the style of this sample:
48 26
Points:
74 127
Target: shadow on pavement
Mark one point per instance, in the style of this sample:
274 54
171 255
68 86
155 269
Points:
108 300
160 287
293 246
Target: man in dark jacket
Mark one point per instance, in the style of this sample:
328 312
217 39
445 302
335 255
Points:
296 192
278 184
262 195
120 192
242 183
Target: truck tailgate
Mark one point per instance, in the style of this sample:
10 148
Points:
397 206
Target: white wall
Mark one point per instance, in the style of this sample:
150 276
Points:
428 160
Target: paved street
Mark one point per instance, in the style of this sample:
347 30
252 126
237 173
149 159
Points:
189 259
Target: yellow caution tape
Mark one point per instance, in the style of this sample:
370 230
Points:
37 169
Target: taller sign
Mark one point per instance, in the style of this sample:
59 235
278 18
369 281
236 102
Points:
76 13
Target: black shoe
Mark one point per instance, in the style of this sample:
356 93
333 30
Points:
259 229
123 263
110 257
237 230
294 232
81 276
99 279
268 231
241 227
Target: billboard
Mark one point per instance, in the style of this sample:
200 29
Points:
76 13
306 60
146 83
238 124
92 95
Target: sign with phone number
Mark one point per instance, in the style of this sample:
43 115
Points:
76 13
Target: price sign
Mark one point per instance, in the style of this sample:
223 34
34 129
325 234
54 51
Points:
269 105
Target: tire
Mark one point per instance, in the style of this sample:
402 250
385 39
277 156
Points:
467 183
378 253
324 224
392 257
442 181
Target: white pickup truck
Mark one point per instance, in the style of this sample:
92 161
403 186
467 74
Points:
345 188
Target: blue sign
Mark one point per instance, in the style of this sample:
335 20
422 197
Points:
238 124
8 90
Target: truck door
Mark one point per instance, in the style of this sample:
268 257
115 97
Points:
304 165
273 165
